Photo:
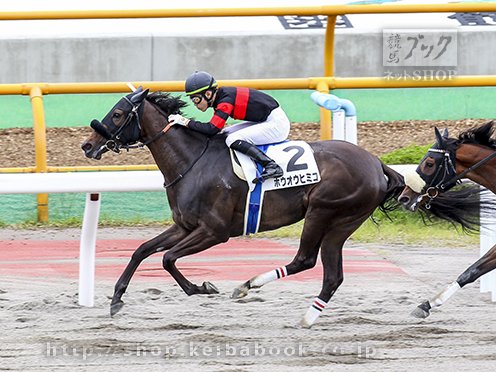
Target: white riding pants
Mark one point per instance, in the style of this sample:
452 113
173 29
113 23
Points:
274 129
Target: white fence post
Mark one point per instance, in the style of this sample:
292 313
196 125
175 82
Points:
487 240
87 250
92 183
338 124
351 133
344 119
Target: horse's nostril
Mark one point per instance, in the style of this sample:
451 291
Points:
404 199
86 147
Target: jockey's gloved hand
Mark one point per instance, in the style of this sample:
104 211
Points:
177 119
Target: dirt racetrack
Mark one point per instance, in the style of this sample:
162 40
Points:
366 326
63 144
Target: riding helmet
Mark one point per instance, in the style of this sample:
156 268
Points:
199 82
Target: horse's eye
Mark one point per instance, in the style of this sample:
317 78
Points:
429 164
116 115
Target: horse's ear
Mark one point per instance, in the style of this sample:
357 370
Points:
139 95
445 134
439 137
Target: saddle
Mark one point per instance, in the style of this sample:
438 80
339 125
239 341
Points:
294 157
299 166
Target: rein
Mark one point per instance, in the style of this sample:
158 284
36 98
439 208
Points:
433 191
156 136
181 175
447 166
455 179
134 113
160 134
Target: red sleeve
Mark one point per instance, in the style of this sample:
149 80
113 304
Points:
221 114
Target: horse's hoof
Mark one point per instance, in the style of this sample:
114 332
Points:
303 324
421 311
210 288
240 292
116 307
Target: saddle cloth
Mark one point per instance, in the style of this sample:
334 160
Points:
299 166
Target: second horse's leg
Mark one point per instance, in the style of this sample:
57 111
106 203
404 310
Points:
482 266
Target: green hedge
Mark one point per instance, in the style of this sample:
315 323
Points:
412 154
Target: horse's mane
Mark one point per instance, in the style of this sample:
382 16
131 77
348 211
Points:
167 102
170 104
479 135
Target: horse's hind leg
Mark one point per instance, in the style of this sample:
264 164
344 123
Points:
482 266
162 242
305 258
332 262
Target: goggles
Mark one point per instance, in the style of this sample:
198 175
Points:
196 99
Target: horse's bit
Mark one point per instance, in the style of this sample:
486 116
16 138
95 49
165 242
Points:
433 191
113 140
448 167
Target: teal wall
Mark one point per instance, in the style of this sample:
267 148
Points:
372 105
115 206
422 103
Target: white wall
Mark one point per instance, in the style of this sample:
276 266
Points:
232 47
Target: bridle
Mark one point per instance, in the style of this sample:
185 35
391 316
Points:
114 140
445 170
446 177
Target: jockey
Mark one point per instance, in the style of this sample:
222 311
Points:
264 120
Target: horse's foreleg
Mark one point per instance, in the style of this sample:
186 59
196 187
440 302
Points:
305 259
197 241
162 242
423 310
482 266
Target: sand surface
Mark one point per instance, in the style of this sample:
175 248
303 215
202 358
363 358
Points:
366 327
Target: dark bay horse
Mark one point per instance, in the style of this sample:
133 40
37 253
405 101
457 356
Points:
472 155
208 200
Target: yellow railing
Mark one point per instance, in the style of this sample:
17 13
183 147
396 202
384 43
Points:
323 84
247 12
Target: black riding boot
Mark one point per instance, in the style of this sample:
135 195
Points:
271 169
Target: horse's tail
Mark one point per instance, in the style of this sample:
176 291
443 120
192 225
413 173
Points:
395 185
464 206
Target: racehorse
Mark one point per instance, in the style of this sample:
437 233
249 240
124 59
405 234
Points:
208 200
471 155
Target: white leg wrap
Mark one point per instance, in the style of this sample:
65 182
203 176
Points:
267 277
442 297
313 312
